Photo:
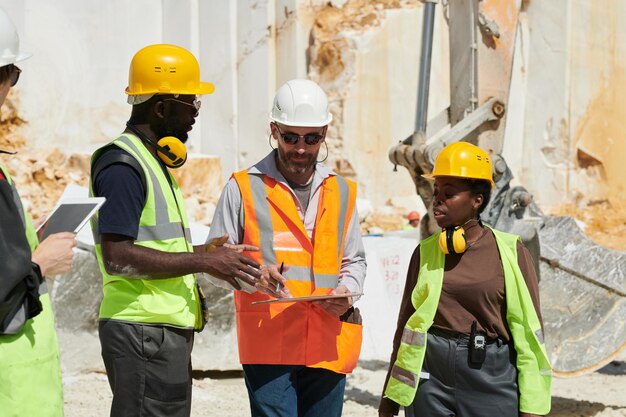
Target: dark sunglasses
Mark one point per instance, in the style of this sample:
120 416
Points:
293 138
14 76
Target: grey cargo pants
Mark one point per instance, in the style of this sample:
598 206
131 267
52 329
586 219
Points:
149 369
455 388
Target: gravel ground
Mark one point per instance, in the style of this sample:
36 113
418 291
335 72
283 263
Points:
600 394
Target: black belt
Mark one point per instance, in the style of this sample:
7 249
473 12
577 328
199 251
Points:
461 337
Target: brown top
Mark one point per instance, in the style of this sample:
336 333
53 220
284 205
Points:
473 289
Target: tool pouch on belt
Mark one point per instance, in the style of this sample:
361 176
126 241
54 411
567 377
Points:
204 307
477 346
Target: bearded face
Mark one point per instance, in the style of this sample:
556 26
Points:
298 147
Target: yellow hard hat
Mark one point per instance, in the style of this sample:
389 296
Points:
463 160
165 69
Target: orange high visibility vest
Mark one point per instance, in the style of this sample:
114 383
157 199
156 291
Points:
296 333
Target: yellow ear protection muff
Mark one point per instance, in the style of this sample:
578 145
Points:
170 150
452 240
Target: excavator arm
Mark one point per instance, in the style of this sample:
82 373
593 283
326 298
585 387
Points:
482 35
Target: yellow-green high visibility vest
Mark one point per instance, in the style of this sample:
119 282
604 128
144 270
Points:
163 226
30 367
534 369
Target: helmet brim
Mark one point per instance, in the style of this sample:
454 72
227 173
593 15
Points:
22 56
323 123
431 177
13 59
205 87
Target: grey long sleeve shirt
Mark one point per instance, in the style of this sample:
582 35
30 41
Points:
229 219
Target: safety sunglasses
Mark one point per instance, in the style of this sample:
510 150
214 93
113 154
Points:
293 138
196 104
14 76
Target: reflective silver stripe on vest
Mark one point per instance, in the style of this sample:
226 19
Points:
404 376
264 220
344 194
326 280
539 334
266 233
163 230
298 273
303 273
160 205
159 232
413 338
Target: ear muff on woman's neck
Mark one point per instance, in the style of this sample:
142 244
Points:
452 240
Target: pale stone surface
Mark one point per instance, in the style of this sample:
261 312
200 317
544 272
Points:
564 112
599 394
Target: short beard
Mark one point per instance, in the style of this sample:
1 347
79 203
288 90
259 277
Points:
164 129
300 168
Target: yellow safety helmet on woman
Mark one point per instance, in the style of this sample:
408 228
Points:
165 69
463 160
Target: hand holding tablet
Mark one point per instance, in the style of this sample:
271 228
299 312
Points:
69 215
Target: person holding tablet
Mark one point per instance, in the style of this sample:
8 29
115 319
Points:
30 369
296 356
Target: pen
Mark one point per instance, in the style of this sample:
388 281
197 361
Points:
280 271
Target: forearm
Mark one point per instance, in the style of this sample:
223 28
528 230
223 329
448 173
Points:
121 256
353 264
134 261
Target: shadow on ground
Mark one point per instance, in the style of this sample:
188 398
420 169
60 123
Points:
362 397
613 368
566 407
235 373
561 407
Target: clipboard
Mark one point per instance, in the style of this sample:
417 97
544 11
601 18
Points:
307 298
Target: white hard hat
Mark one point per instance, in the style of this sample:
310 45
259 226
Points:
9 42
301 103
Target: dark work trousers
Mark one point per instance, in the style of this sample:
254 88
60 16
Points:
456 388
294 391
149 369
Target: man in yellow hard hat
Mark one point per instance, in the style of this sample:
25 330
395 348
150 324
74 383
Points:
151 304
30 369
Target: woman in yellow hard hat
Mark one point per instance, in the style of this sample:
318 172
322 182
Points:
469 340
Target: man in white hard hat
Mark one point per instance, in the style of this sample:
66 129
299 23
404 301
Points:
302 215
30 371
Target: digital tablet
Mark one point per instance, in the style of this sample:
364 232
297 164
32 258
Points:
308 298
69 215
